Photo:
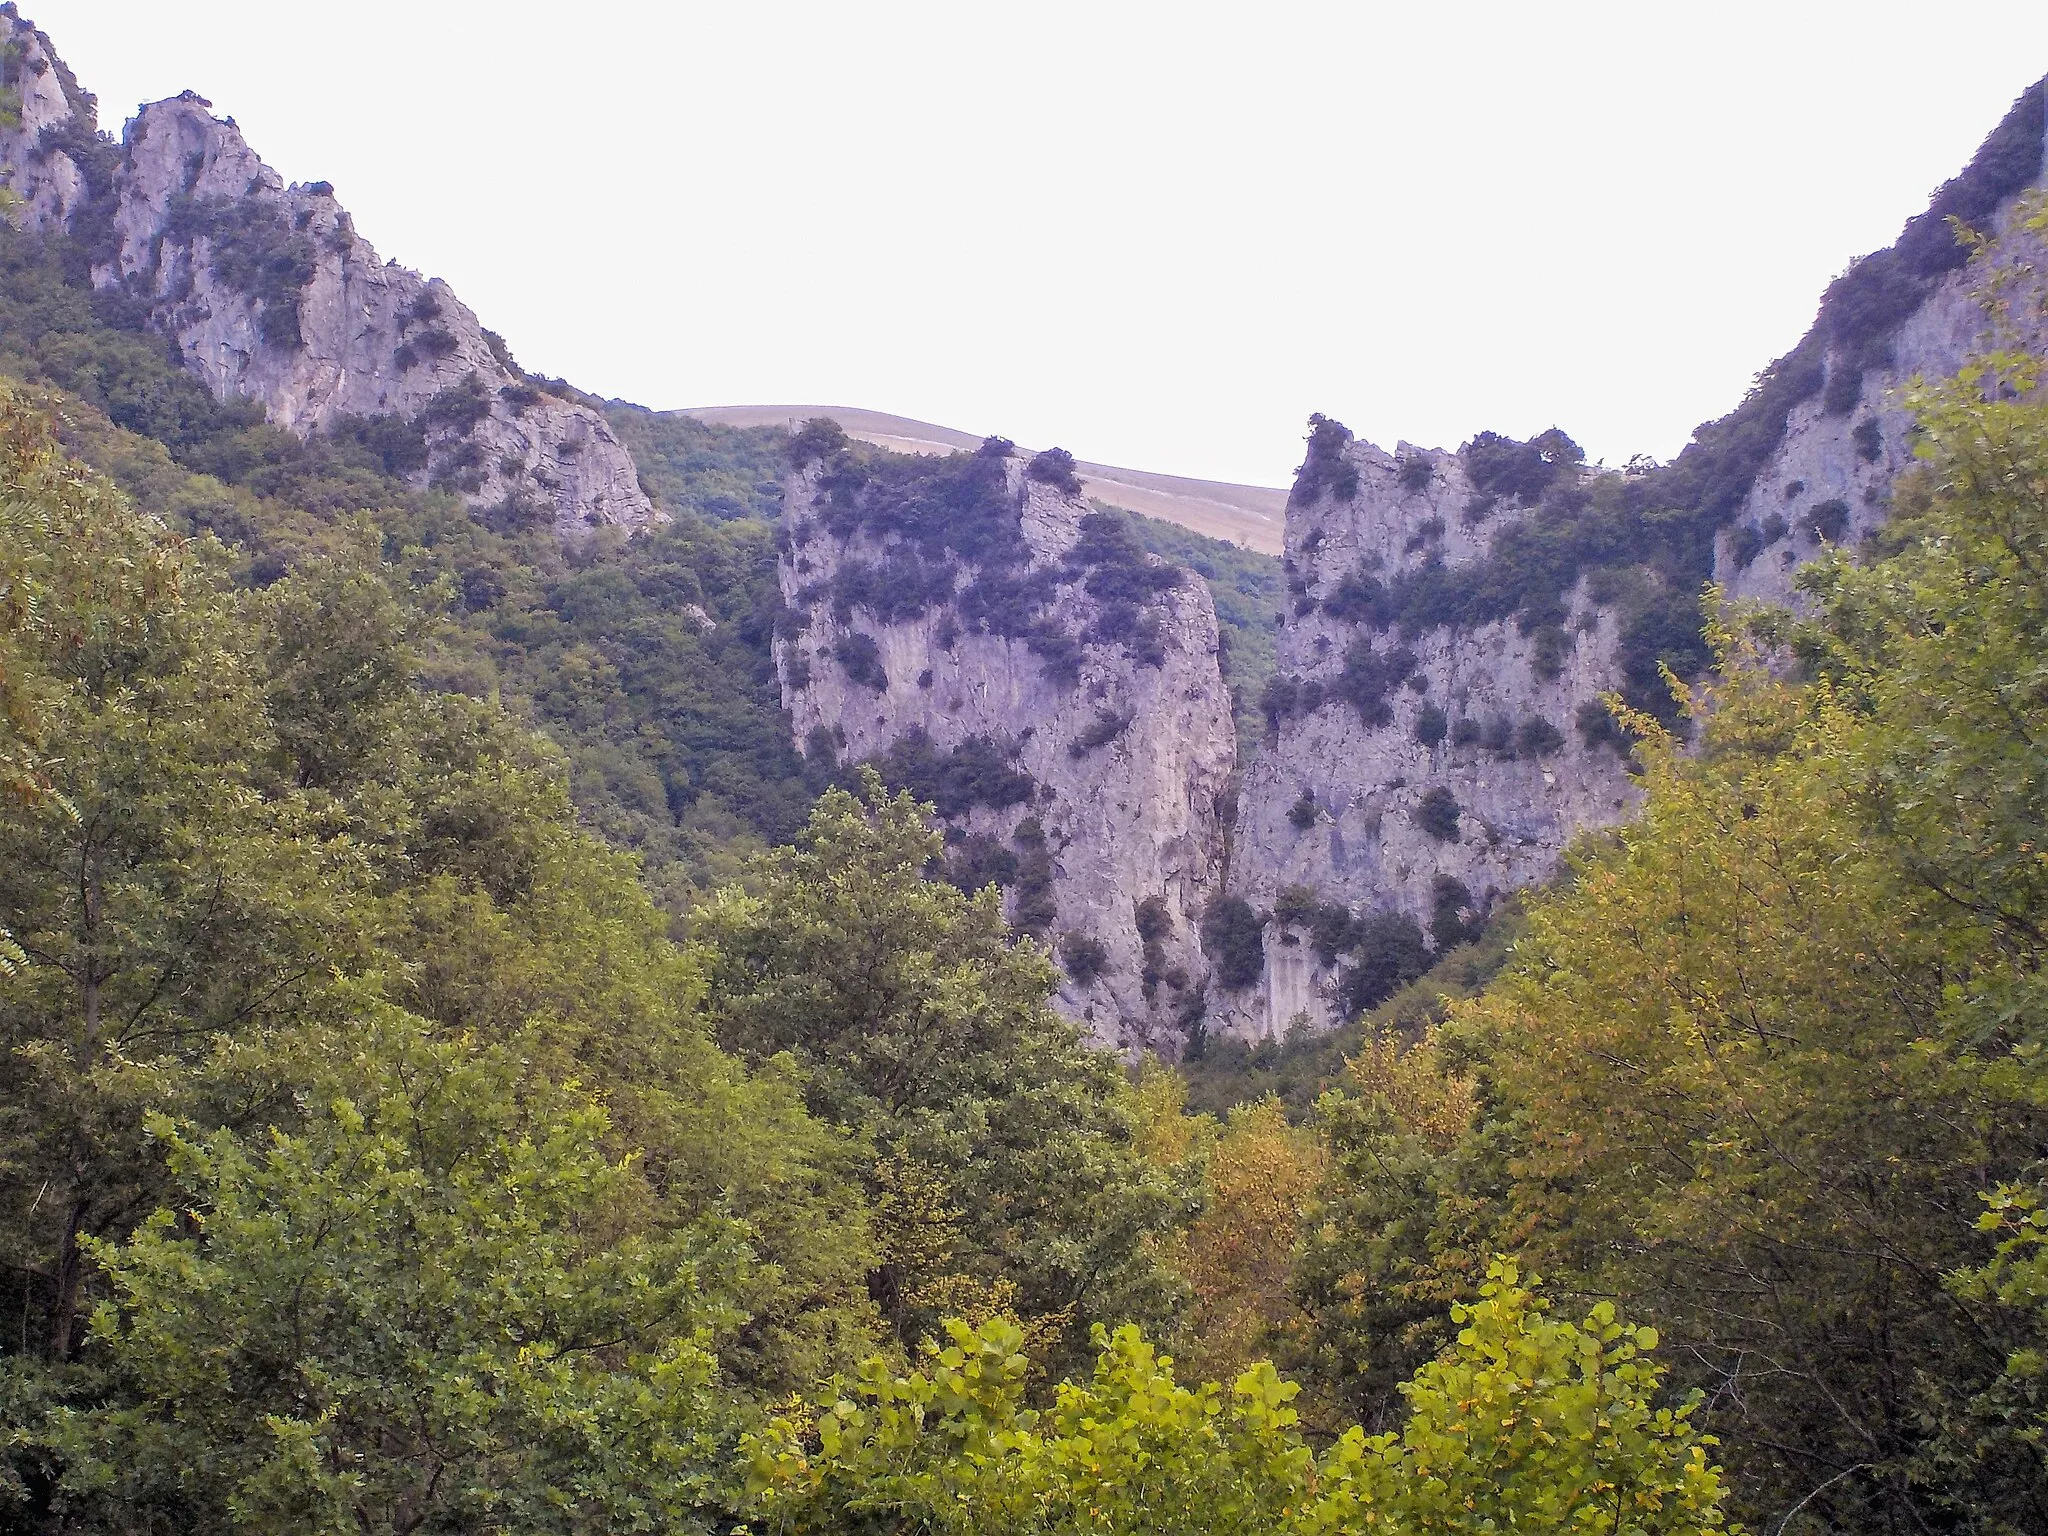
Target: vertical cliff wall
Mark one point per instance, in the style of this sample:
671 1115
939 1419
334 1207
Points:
269 294
970 625
1413 771
1434 739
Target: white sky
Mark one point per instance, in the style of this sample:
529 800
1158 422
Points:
1158 234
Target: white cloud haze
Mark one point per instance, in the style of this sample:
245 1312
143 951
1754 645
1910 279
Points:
1160 235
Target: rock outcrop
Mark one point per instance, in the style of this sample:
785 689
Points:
975 630
1435 737
269 294
1407 776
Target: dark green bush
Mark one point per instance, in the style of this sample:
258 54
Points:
1773 528
1869 436
1450 900
1324 469
459 407
1465 732
978 861
1537 737
980 771
1744 545
861 657
1389 953
1547 657
1233 937
1502 467
1107 725
1598 728
1369 676
1054 467
1303 812
1828 519
1415 473
1083 956
1431 725
1437 814
1034 908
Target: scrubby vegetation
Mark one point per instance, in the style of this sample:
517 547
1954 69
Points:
677 745
935 515
374 1158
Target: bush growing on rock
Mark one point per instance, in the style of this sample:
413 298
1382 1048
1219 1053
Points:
1437 814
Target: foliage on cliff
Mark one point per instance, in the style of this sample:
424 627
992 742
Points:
648 662
1769 1068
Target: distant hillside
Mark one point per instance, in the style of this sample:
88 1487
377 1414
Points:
1251 515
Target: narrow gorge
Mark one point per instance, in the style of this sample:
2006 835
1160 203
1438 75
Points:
977 631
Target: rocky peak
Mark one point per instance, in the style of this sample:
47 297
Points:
975 629
55 126
270 294
1418 766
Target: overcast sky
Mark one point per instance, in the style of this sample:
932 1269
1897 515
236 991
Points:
1159 235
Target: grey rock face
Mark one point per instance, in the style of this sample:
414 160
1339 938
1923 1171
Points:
271 295
1830 479
40 170
1127 818
1336 800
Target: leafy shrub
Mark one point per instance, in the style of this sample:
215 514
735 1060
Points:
1431 725
1502 467
1537 737
1033 905
816 441
1360 598
1869 436
980 771
1773 528
1324 469
903 586
1054 467
1107 725
1598 728
520 397
1547 656
1744 545
861 658
1828 519
459 407
1233 937
1437 814
1449 900
1844 391
1303 812
1415 473
1477 509
1498 735
1465 732
1369 676
978 861
1388 952
1154 924
1082 956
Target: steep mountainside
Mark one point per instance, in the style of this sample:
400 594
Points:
1435 736
970 626
270 295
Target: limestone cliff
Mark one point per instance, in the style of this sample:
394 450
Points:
1412 772
971 626
269 294
1434 735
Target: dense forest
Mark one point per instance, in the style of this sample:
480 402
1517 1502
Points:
465 1070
